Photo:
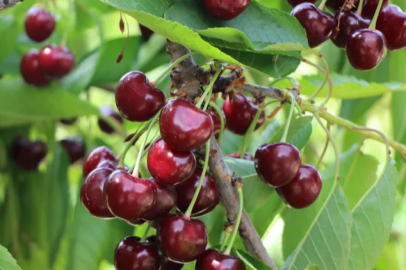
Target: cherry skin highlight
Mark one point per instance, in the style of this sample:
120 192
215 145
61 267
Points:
108 112
225 9
28 155
39 24
165 201
212 259
95 157
30 69
56 62
392 23
75 148
247 156
348 22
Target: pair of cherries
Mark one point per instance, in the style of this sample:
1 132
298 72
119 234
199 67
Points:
280 166
28 155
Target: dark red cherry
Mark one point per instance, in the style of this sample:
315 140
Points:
182 240
75 148
107 111
39 24
304 189
170 166
129 197
212 259
95 157
146 33
184 127
277 163
370 6
28 155
318 24
165 263
365 49
136 99
107 164
240 113
335 5
209 195
346 23
225 9
56 62
137 222
216 121
294 3
30 70
392 23
130 254
247 156
166 197
91 193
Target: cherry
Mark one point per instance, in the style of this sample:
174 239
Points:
136 99
130 254
368 10
390 17
75 148
216 121
209 195
181 239
165 263
166 197
28 155
318 24
107 111
247 156
107 164
304 189
138 222
30 70
365 48
335 5
226 9
170 166
240 112
95 157
294 3
212 259
184 127
56 62
39 24
129 197
146 33
91 193
346 23
277 163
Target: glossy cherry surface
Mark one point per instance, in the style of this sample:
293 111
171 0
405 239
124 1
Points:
294 3
346 23
108 112
107 164
370 6
240 113
182 240
30 69
75 147
225 9
55 61
392 23
209 195
212 259
166 197
98 155
130 254
28 155
165 263
184 127
365 49
247 156
170 166
318 24
335 5
304 189
129 197
145 32
39 24
277 163
92 193
136 99
216 121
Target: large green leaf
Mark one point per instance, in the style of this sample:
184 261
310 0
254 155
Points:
250 261
7 262
299 132
8 35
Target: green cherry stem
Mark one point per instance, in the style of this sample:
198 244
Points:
199 186
174 64
238 221
145 235
220 114
322 4
360 6
376 15
248 136
292 108
209 89
136 135
225 240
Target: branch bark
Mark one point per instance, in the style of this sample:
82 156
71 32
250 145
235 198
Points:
8 3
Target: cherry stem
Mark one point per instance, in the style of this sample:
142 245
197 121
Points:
136 135
322 4
372 26
225 240
209 89
360 7
292 108
199 186
174 64
238 221
218 111
154 139
145 235
248 135
293 80
324 149
326 72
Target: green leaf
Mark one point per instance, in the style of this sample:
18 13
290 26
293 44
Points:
8 35
373 217
231 142
312 267
299 133
250 261
7 262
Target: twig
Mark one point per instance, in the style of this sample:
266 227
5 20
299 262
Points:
8 3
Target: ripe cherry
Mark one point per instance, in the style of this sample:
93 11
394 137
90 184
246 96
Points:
277 163
368 10
216 121
39 24
294 3
170 166
181 239
365 49
209 195
240 113
75 148
184 127
165 263
107 164
247 156
225 10
392 23
95 157
136 99
56 62
304 189
346 23
91 193
166 197
28 155
335 5
212 259
129 197
130 254
146 33
107 111
318 24
30 69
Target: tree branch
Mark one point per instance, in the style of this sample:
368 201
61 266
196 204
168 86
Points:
8 3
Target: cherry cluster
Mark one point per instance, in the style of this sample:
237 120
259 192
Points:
354 30
39 67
